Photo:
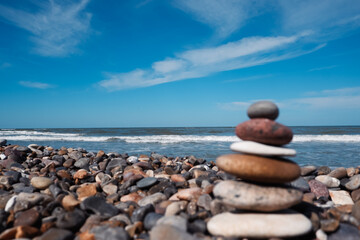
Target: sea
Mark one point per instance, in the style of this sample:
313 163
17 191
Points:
333 146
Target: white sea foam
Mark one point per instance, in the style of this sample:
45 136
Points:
23 135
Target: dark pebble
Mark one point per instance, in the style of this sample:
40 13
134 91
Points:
345 231
99 206
146 182
151 219
71 220
106 233
56 234
140 213
197 226
27 218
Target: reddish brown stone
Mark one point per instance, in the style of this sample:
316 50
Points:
68 163
177 178
319 189
265 131
69 202
86 190
309 197
63 174
160 208
134 197
81 174
27 218
19 232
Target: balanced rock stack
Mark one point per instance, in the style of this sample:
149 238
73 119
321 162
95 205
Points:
262 194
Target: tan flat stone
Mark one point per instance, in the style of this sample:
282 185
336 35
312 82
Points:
259 169
248 196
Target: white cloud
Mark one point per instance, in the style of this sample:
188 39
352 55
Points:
36 85
322 68
225 16
342 98
57 27
198 63
329 19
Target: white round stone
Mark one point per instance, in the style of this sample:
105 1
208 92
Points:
330 182
251 147
259 225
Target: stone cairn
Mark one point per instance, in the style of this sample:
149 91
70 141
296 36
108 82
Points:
263 195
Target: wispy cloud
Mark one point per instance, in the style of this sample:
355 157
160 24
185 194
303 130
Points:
342 98
322 68
224 16
36 85
202 62
255 77
57 27
328 19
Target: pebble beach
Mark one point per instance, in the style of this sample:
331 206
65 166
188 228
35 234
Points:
256 192
66 193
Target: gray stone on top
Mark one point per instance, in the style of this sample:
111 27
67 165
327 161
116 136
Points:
263 109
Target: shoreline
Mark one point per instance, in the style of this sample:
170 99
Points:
92 195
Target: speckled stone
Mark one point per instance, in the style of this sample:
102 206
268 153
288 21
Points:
264 131
319 189
255 197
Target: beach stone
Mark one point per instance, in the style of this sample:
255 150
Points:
356 210
309 197
341 197
197 226
175 221
177 178
300 184
116 162
254 197
81 174
323 170
76 155
140 213
204 201
355 195
249 147
69 202
110 189
329 225
319 189
82 163
19 232
258 225
187 194
165 232
146 182
329 182
345 231
27 218
354 182
86 190
350 172
175 207
56 234
265 131
151 220
131 197
41 182
99 206
259 169
152 199
71 220
3 142
338 173
109 233
263 109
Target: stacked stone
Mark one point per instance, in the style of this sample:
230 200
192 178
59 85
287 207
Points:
262 193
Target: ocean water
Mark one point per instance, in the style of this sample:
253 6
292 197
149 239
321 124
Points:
331 146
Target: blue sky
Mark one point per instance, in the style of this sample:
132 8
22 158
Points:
153 63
